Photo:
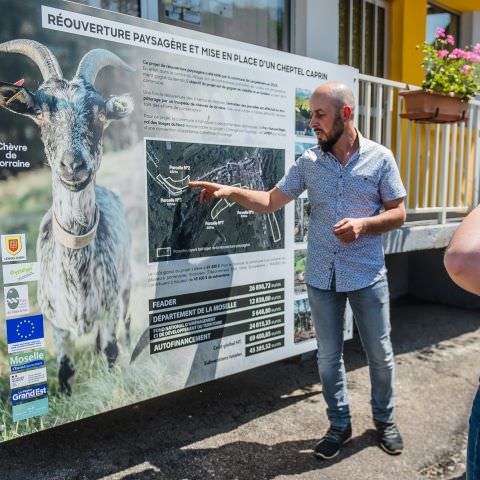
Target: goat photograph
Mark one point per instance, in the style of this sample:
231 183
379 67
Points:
71 108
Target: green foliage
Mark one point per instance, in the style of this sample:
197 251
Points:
449 70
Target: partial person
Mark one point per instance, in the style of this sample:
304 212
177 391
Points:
355 194
462 261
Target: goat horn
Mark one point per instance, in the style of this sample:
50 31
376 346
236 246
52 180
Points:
94 60
38 53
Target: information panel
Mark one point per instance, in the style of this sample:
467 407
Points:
118 285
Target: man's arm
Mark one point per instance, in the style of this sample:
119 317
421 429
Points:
462 258
255 200
349 229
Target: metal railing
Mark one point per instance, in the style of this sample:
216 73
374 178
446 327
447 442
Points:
439 164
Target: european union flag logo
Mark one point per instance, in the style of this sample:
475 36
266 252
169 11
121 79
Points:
25 333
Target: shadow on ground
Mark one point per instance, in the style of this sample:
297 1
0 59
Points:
161 433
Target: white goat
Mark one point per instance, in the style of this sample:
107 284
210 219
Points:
84 242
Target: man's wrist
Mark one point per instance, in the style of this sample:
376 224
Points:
363 225
231 191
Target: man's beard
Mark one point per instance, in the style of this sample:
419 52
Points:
337 131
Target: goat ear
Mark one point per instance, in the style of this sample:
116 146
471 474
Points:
119 106
16 99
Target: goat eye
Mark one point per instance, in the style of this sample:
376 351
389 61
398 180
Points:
38 113
102 117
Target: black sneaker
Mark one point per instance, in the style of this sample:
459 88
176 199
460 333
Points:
329 446
389 437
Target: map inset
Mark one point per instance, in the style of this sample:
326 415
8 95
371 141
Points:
180 227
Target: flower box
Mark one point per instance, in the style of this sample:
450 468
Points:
433 107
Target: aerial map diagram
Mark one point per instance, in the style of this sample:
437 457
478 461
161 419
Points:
180 227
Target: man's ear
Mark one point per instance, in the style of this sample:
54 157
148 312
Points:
119 106
347 113
16 98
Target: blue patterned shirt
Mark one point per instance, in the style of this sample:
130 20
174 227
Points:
358 189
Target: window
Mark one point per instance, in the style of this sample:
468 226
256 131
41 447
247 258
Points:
130 7
362 35
262 22
437 17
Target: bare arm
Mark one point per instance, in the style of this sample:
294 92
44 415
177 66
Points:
349 229
255 200
462 258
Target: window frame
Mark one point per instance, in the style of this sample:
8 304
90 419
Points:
386 40
451 11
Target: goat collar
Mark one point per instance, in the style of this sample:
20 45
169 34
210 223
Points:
72 241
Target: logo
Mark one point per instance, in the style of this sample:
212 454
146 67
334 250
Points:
25 333
35 408
13 298
26 360
13 248
30 377
31 393
13 244
22 272
16 300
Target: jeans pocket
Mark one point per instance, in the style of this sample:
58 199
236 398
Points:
379 291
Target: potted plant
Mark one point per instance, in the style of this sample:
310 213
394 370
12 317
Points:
452 78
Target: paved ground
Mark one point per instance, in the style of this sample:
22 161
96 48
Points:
262 424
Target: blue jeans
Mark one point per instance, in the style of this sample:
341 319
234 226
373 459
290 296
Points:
473 449
371 310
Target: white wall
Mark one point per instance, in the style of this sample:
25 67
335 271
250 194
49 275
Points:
315 29
470 28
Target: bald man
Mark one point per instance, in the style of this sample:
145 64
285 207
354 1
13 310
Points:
356 194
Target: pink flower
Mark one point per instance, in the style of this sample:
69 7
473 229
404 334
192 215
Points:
450 39
440 32
476 48
453 55
442 53
466 69
472 57
458 53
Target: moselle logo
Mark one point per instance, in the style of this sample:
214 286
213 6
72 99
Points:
13 298
24 329
25 361
24 358
27 394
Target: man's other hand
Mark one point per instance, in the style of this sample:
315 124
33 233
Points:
210 190
348 229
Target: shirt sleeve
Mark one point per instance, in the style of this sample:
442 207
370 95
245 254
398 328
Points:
293 183
391 185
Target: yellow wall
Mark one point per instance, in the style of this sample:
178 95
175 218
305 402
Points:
408 29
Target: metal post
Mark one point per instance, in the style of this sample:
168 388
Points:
442 216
